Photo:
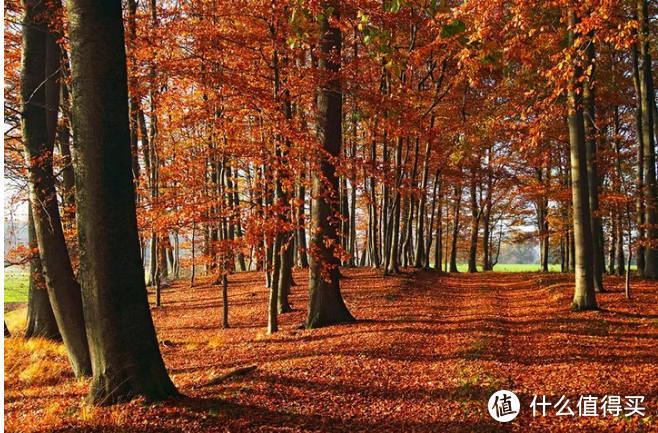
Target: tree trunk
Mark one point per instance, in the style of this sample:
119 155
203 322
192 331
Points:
394 223
63 289
584 295
455 229
640 205
419 257
326 305
475 226
125 355
373 239
40 317
589 102
301 221
651 188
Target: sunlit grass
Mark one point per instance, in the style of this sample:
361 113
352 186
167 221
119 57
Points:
35 361
512 268
16 284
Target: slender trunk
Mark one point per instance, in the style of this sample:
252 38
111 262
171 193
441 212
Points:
589 102
650 187
584 295
40 317
373 241
301 221
394 224
419 260
455 229
640 205
63 289
475 226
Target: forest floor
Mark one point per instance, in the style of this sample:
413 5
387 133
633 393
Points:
426 353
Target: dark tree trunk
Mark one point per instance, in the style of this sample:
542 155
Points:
475 226
301 221
419 256
640 205
394 224
373 239
650 187
455 229
438 248
40 317
589 102
326 305
63 289
125 355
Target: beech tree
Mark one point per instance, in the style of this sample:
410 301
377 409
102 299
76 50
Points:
326 305
38 128
125 356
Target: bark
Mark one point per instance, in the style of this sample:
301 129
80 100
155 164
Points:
584 295
648 142
63 289
589 117
40 317
394 224
419 257
455 229
125 355
373 239
475 226
326 305
302 255
640 205
438 248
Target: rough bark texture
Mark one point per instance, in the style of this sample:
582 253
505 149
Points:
124 349
326 305
63 289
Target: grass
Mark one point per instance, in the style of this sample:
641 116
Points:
16 321
16 284
512 268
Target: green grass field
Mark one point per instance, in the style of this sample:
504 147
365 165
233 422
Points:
16 284
512 268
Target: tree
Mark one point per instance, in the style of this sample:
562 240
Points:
38 144
326 305
124 349
647 102
584 297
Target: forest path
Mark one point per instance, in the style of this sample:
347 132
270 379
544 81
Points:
425 354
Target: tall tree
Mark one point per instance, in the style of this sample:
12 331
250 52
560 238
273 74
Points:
38 142
584 296
326 305
125 356
647 101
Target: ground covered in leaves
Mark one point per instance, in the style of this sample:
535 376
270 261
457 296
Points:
426 353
